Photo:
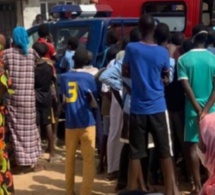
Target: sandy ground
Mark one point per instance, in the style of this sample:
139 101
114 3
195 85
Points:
52 182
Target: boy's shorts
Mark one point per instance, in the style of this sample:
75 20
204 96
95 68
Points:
44 116
191 129
158 126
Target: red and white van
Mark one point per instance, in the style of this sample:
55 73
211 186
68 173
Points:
180 15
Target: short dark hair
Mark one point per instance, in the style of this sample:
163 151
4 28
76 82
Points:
41 48
135 35
198 37
111 54
162 33
112 37
146 24
187 45
81 58
196 29
177 38
43 30
73 42
38 16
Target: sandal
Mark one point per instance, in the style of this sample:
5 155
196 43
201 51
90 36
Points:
55 159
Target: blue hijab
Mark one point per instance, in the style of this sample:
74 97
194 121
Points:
20 38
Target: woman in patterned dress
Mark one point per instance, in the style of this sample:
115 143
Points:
20 63
6 180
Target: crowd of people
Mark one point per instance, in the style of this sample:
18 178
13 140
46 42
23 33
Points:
148 111
154 96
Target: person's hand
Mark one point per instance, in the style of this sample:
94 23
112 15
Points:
202 115
165 80
199 112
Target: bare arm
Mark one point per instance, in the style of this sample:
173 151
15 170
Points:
191 97
165 78
210 102
197 107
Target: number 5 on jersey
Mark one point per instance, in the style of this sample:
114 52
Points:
73 92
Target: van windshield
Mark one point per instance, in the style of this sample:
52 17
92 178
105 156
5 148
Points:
62 34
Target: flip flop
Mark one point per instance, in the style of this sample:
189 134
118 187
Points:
56 159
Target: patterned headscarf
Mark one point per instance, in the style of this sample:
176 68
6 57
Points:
20 38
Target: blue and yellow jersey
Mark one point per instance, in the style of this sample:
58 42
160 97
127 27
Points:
76 88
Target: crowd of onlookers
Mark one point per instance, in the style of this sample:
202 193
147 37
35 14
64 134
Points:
144 110
155 91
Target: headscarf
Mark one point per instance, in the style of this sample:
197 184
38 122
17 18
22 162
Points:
20 38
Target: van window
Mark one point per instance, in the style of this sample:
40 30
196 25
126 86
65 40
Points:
205 14
61 36
173 14
64 33
123 30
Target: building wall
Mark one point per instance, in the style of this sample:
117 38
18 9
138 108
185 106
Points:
30 9
8 16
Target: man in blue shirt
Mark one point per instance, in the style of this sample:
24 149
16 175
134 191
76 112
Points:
147 64
67 62
79 89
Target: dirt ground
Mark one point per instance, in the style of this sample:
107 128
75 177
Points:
52 182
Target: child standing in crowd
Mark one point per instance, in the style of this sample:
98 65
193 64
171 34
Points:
44 35
43 80
196 71
79 90
67 62
46 38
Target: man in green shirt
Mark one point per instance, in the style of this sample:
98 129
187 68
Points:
196 71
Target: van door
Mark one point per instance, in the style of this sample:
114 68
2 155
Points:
88 33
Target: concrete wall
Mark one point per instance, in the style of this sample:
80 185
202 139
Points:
19 13
30 9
